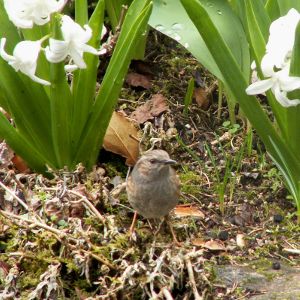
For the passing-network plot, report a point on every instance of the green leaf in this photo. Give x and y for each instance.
(21, 146)
(237, 84)
(7, 29)
(291, 122)
(84, 81)
(27, 105)
(81, 12)
(286, 5)
(292, 180)
(226, 123)
(61, 106)
(170, 18)
(238, 7)
(114, 8)
(188, 96)
(277, 8)
(273, 9)
(258, 23)
(134, 26)
(295, 60)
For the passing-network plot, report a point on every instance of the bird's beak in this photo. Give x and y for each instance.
(168, 161)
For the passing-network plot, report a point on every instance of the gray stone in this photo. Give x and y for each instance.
(283, 284)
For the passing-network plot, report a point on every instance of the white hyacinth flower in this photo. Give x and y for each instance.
(24, 58)
(281, 41)
(275, 64)
(280, 83)
(74, 44)
(26, 13)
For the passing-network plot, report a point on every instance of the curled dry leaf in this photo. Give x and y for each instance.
(212, 245)
(188, 210)
(138, 80)
(240, 240)
(201, 97)
(120, 138)
(152, 108)
(20, 164)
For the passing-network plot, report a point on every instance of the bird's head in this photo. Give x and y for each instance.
(154, 163)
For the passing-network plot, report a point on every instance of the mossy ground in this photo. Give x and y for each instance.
(81, 254)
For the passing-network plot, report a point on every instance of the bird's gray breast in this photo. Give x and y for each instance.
(155, 199)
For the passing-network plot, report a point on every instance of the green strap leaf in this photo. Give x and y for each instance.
(21, 146)
(84, 81)
(81, 12)
(134, 26)
(291, 123)
(170, 18)
(113, 9)
(61, 106)
(273, 9)
(237, 84)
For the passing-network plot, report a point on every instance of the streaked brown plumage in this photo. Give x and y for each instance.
(153, 187)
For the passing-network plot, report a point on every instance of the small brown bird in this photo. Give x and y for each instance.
(153, 187)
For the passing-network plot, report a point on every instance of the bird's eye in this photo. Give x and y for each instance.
(152, 161)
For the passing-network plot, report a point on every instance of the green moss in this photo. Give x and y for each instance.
(43, 196)
(123, 198)
(263, 266)
(190, 182)
(120, 242)
(116, 168)
(33, 268)
(69, 263)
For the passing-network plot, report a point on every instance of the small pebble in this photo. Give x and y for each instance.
(223, 235)
(277, 218)
(276, 265)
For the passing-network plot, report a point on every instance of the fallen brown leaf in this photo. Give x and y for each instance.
(240, 240)
(198, 242)
(118, 138)
(210, 245)
(138, 80)
(20, 164)
(188, 211)
(214, 246)
(152, 108)
(201, 97)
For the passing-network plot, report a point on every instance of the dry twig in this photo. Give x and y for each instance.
(192, 277)
(88, 204)
(14, 195)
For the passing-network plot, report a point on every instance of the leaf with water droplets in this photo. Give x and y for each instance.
(170, 18)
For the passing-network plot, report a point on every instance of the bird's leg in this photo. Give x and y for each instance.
(175, 241)
(132, 226)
